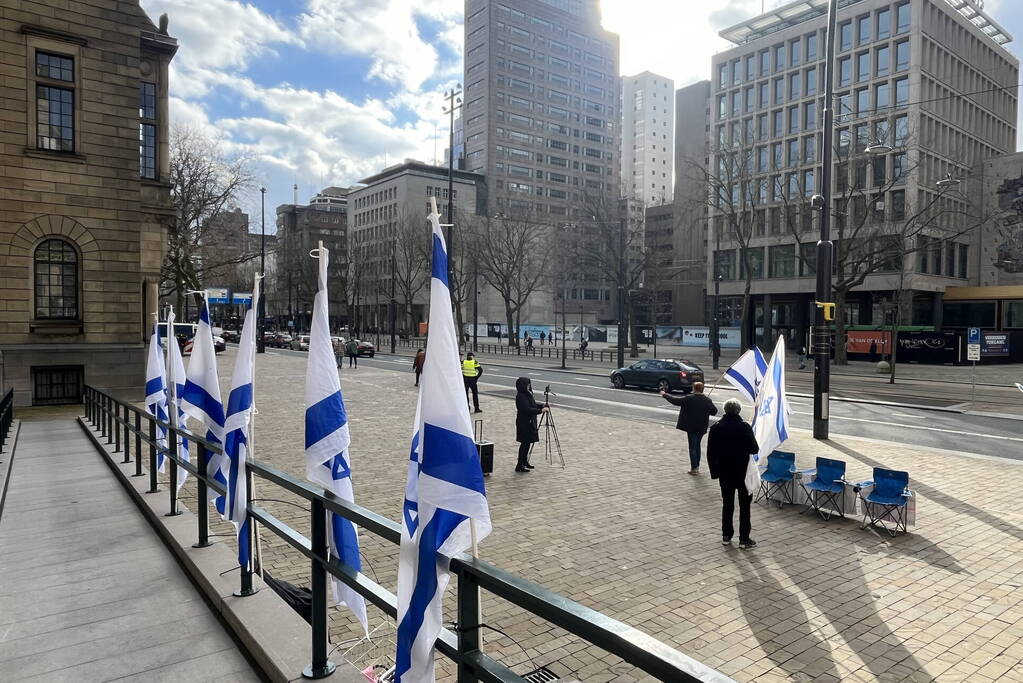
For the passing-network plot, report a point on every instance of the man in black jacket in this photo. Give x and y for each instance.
(729, 445)
(694, 414)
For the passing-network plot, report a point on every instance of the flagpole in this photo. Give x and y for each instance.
(172, 404)
(722, 375)
(251, 447)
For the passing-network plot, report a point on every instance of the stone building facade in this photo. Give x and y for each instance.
(83, 194)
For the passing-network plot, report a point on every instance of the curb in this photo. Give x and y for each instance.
(275, 637)
(10, 447)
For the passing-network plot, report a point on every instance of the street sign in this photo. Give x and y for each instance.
(973, 352)
(217, 295)
(242, 298)
(974, 336)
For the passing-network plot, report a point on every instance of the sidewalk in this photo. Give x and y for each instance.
(87, 591)
(624, 530)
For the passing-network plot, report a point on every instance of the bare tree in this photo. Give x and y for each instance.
(513, 255)
(205, 180)
(411, 260)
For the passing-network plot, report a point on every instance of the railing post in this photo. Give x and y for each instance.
(110, 419)
(102, 415)
(202, 506)
(138, 444)
(468, 623)
(250, 529)
(321, 666)
(172, 485)
(125, 429)
(154, 486)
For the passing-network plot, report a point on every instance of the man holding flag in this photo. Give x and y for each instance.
(445, 511)
(238, 432)
(327, 439)
(747, 372)
(201, 397)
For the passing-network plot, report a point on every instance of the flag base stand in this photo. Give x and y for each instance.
(152, 491)
(207, 544)
(245, 593)
(319, 672)
(173, 513)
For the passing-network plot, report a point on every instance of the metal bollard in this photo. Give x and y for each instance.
(321, 667)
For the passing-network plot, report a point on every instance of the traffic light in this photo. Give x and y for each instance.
(829, 310)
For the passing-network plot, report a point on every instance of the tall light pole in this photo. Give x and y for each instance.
(621, 293)
(454, 99)
(261, 305)
(821, 342)
(715, 333)
(393, 303)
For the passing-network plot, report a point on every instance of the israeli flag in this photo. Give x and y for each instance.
(327, 440)
(746, 373)
(237, 431)
(176, 387)
(201, 398)
(156, 392)
(771, 425)
(445, 507)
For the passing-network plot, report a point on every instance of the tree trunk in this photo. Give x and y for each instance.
(511, 321)
(840, 355)
(746, 328)
(631, 318)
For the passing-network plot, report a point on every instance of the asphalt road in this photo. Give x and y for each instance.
(969, 433)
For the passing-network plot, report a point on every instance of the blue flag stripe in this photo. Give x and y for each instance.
(198, 396)
(346, 541)
(779, 418)
(239, 399)
(741, 379)
(440, 261)
(324, 418)
(451, 457)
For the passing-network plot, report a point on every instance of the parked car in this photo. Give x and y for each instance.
(662, 374)
(300, 343)
(268, 338)
(282, 340)
(233, 336)
(218, 343)
(366, 348)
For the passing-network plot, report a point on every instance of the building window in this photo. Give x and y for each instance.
(844, 71)
(964, 250)
(901, 91)
(795, 52)
(724, 262)
(147, 130)
(811, 47)
(55, 105)
(783, 261)
(779, 58)
(882, 61)
(807, 259)
(794, 82)
(863, 30)
(902, 55)
(845, 36)
(811, 81)
(56, 281)
(902, 18)
(55, 385)
(755, 256)
(884, 24)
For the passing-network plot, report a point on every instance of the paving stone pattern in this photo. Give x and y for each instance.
(623, 529)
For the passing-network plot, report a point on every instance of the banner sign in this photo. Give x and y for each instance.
(244, 298)
(728, 337)
(217, 295)
(871, 342)
(994, 344)
(928, 347)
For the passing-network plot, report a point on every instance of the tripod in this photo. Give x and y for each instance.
(547, 424)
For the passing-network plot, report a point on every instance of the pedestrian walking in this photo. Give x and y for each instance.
(352, 349)
(543, 338)
(694, 414)
(417, 364)
(802, 357)
(471, 371)
(529, 342)
(526, 411)
(729, 445)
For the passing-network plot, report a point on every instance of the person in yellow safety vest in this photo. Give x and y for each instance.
(471, 371)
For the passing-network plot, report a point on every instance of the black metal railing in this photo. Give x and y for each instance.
(6, 416)
(117, 421)
(536, 351)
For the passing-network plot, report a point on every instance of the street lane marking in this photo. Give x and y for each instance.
(929, 429)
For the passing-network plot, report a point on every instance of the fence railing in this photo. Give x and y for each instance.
(133, 430)
(6, 416)
(535, 351)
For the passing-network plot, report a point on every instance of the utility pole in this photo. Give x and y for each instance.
(715, 340)
(394, 303)
(261, 304)
(475, 303)
(821, 342)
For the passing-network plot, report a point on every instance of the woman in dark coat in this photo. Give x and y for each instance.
(526, 433)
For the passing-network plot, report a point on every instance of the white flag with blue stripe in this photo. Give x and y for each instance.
(175, 387)
(201, 398)
(746, 373)
(238, 431)
(444, 495)
(327, 440)
(771, 420)
(156, 392)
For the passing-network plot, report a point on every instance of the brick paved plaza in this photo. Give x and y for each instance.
(624, 530)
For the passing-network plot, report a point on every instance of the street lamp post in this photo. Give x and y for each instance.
(715, 339)
(821, 343)
(621, 293)
(261, 304)
(394, 303)
(454, 102)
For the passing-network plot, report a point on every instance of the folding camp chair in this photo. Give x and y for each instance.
(887, 501)
(777, 478)
(827, 487)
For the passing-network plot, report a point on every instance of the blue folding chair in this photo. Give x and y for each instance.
(777, 477)
(828, 486)
(885, 505)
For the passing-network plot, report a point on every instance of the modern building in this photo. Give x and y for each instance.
(648, 138)
(292, 283)
(928, 85)
(389, 238)
(541, 119)
(686, 272)
(85, 204)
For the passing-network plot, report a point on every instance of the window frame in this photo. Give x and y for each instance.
(34, 45)
(76, 280)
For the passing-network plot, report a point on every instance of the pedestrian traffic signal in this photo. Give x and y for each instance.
(829, 310)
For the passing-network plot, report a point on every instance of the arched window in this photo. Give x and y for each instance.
(56, 281)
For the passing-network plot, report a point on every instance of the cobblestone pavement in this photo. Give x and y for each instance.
(624, 530)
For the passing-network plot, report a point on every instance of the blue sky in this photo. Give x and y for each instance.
(326, 92)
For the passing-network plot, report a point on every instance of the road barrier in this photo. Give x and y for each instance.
(536, 351)
(117, 421)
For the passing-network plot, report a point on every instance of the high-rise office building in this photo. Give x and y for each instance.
(648, 134)
(541, 121)
(928, 85)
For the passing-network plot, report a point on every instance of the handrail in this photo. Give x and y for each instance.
(6, 416)
(461, 645)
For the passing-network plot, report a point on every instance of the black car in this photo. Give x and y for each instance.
(662, 374)
(366, 348)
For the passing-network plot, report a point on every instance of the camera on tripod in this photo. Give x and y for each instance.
(552, 446)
